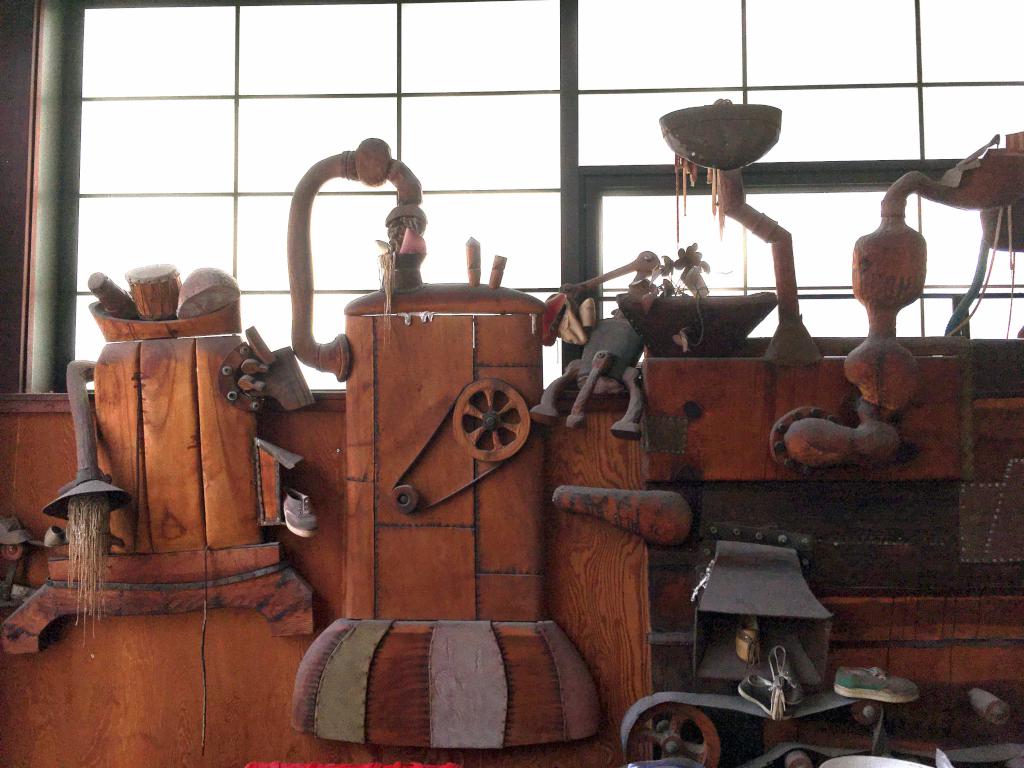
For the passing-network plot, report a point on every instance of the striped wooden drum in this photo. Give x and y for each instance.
(444, 684)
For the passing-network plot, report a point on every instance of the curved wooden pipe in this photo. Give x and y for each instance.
(371, 164)
(658, 517)
(791, 344)
(80, 373)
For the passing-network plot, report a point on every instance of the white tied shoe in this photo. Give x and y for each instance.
(298, 513)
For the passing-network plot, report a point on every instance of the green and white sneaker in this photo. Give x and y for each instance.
(873, 683)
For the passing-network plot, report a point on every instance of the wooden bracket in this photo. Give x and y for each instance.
(276, 590)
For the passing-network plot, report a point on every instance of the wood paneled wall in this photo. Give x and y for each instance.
(129, 691)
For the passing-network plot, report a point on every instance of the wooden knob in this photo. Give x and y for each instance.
(373, 159)
(155, 290)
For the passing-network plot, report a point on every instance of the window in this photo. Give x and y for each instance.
(868, 90)
(553, 160)
(191, 160)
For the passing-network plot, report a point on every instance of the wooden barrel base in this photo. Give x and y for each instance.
(444, 685)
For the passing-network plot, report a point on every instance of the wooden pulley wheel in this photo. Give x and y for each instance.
(12, 552)
(672, 729)
(491, 420)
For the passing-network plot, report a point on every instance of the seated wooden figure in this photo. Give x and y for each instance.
(444, 641)
(611, 351)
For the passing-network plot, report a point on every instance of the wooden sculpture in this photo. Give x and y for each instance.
(188, 534)
(724, 137)
(611, 352)
(444, 642)
(888, 274)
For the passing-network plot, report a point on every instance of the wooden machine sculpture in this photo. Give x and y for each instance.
(444, 643)
(888, 274)
(178, 432)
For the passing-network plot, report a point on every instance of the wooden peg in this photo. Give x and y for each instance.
(473, 262)
(497, 272)
(259, 347)
(114, 299)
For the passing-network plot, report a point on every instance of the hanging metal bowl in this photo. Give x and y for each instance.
(722, 135)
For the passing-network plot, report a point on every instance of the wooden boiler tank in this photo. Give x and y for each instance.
(444, 642)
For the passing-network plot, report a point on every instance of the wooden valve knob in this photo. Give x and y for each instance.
(497, 272)
(155, 290)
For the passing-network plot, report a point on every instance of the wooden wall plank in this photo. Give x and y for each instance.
(121, 453)
(227, 433)
(170, 425)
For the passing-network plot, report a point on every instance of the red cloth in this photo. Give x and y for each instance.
(348, 765)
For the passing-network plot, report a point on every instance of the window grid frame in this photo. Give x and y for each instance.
(580, 186)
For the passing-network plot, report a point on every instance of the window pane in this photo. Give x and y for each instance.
(481, 46)
(623, 129)
(809, 42)
(959, 120)
(272, 316)
(318, 49)
(842, 124)
(990, 321)
(953, 237)
(119, 234)
(344, 229)
(157, 146)
(482, 142)
(138, 52)
(630, 225)
(88, 339)
(833, 317)
(279, 139)
(523, 227)
(824, 227)
(936, 315)
(964, 43)
(659, 44)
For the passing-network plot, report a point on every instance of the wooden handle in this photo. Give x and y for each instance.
(260, 350)
(497, 272)
(473, 262)
(658, 517)
(114, 299)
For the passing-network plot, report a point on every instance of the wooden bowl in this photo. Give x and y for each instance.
(726, 322)
(722, 135)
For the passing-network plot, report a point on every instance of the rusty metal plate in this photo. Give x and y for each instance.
(992, 518)
(664, 434)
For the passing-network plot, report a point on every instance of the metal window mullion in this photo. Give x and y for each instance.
(234, 193)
